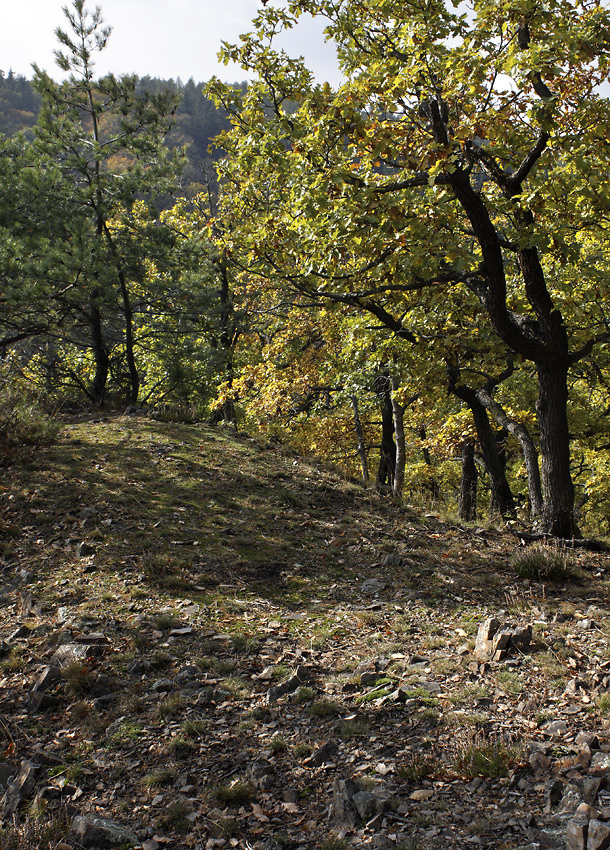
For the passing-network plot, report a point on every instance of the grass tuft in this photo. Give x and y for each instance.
(541, 563)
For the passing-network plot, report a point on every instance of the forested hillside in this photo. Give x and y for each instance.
(196, 121)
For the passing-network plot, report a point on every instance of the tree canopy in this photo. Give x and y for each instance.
(457, 171)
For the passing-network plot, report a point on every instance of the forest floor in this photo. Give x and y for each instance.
(215, 643)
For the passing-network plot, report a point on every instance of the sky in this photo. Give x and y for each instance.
(160, 38)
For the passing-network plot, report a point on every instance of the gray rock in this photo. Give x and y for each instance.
(600, 764)
(48, 677)
(323, 755)
(556, 728)
(571, 799)
(290, 685)
(92, 831)
(372, 586)
(40, 701)
(342, 809)
(576, 833)
(371, 803)
(382, 842)
(485, 635)
(495, 644)
(590, 789)
(598, 837)
(21, 632)
(163, 685)
(71, 652)
(19, 788)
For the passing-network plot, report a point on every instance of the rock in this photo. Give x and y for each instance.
(495, 644)
(342, 809)
(571, 799)
(48, 677)
(322, 755)
(71, 652)
(576, 833)
(598, 837)
(262, 775)
(92, 831)
(40, 701)
(485, 635)
(382, 842)
(556, 728)
(21, 632)
(19, 788)
(290, 685)
(163, 684)
(590, 789)
(372, 586)
(600, 764)
(421, 794)
(371, 803)
(588, 738)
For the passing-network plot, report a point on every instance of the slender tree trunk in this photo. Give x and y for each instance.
(530, 455)
(432, 485)
(364, 463)
(399, 438)
(387, 449)
(557, 486)
(501, 500)
(100, 353)
(468, 484)
(228, 337)
(134, 377)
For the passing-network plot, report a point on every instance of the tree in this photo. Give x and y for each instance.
(459, 166)
(105, 138)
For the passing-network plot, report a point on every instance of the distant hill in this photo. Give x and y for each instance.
(19, 103)
(197, 118)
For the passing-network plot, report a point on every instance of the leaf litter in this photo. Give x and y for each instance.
(207, 639)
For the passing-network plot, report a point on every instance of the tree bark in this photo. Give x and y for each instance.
(134, 377)
(387, 449)
(468, 485)
(399, 438)
(364, 463)
(501, 500)
(100, 353)
(558, 509)
(530, 455)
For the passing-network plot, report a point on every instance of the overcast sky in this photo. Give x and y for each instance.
(162, 38)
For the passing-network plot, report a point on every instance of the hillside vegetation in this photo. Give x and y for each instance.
(216, 643)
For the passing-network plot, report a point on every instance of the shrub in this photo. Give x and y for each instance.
(23, 419)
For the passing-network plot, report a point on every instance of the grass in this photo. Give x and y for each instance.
(417, 767)
(170, 706)
(484, 757)
(323, 708)
(35, 834)
(543, 563)
(236, 793)
(162, 778)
